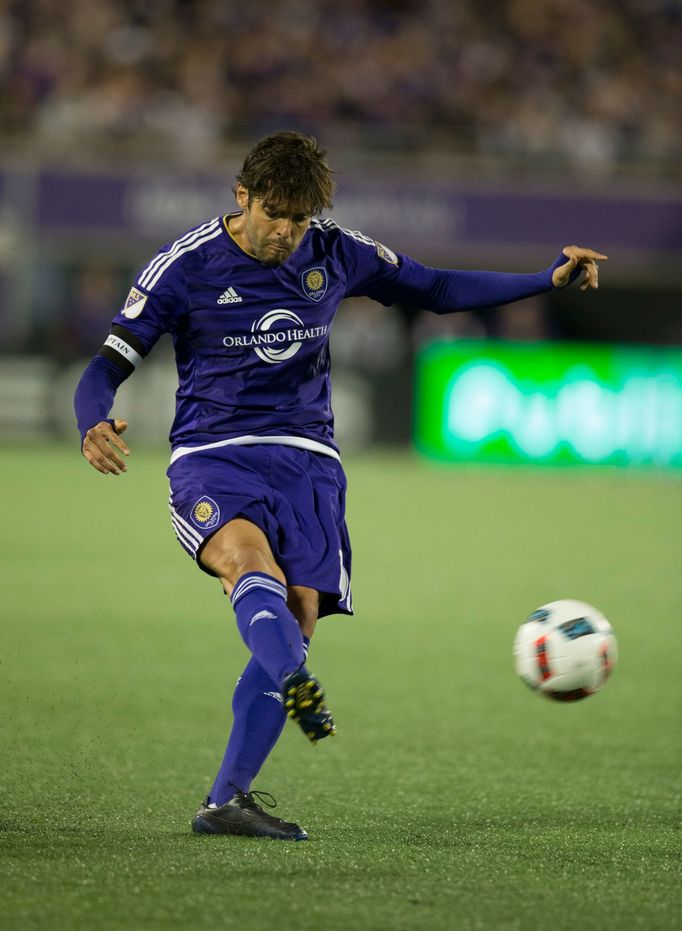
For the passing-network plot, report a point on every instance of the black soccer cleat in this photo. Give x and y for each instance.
(242, 817)
(304, 703)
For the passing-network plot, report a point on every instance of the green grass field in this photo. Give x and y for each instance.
(453, 798)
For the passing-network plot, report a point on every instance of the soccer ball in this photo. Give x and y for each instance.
(566, 650)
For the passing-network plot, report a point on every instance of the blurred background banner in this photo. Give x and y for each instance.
(549, 403)
(446, 216)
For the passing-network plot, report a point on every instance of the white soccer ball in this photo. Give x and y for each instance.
(566, 650)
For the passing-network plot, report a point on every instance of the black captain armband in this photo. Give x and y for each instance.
(123, 348)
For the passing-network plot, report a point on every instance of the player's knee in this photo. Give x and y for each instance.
(304, 604)
(253, 558)
(230, 563)
(236, 549)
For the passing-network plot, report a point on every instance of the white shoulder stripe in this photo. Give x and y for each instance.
(354, 234)
(159, 263)
(178, 244)
(188, 248)
(183, 240)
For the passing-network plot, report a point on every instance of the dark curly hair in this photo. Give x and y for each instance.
(289, 169)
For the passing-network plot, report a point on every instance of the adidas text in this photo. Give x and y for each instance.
(229, 297)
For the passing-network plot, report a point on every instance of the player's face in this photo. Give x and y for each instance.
(270, 232)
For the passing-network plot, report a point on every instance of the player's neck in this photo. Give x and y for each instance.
(235, 224)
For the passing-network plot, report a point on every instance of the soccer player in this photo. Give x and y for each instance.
(257, 491)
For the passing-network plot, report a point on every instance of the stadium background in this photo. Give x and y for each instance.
(467, 134)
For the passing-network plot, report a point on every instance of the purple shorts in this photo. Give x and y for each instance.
(296, 497)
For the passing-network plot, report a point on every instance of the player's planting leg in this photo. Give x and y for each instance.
(258, 719)
(242, 816)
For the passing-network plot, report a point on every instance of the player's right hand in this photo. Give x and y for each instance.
(102, 447)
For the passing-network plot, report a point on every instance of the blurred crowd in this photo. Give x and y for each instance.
(590, 85)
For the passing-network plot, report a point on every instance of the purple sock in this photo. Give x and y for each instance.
(258, 721)
(267, 626)
(259, 717)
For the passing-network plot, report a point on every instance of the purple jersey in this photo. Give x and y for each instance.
(251, 341)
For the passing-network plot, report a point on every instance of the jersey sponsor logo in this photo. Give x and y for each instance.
(272, 344)
(229, 297)
(314, 282)
(134, 304)
(386, 254)
(205, 513)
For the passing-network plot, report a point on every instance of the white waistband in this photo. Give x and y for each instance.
(301, 442)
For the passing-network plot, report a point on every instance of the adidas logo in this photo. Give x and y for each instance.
(229, 297)
(275, 695)
(261, 615)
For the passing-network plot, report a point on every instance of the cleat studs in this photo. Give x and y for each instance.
(291, 714)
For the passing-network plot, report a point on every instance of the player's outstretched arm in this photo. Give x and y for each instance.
(579, 258)
(103, 447)
(446, 291)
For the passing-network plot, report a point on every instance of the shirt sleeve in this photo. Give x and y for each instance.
(155, 305)
(388, 277)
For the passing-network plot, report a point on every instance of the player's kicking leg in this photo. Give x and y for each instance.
(303, 694)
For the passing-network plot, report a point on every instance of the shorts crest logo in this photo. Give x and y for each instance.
(205, 513)
(314, 282)
(134, 304)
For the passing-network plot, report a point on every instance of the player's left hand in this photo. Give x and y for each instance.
(579, 257)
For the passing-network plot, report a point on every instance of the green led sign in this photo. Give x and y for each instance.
(553, 403)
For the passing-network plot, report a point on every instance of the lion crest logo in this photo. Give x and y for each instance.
(314, 282)
(205, 513)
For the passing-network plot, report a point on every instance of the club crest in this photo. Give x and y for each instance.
(314, 283)
(134, 304)
(205, 513)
